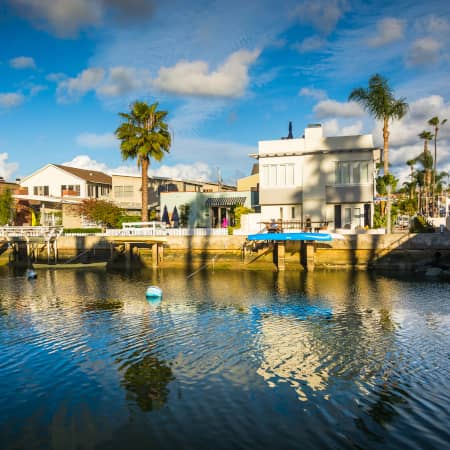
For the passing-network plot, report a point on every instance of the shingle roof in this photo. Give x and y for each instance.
(89, 175)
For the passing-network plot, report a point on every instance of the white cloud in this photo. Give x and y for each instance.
(194, 78)
(7, 168)
(195, 171)
(332, 108)
(317, 94)
(85, 162)
(22, 62)
(388, 30)
(123, 80)
(309, 44)
(424, 51)
(332, 128)
(93, 140)
(433, 24)
(87, 80)
(11, 99)
(322, 14)
(56, 77)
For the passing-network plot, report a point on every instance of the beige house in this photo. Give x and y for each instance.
(325, 180)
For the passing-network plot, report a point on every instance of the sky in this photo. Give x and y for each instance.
(229, 74)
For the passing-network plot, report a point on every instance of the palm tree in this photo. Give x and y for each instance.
(379, 101)
(144, 134)
(435, 122)
(427, 162)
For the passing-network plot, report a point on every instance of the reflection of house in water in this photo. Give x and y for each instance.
(291, 355)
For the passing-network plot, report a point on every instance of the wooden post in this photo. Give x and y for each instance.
(281, 251)
(128, 255)
(310, 256)
(155, 254)
(160, 252)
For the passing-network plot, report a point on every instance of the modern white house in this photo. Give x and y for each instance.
(328, 181)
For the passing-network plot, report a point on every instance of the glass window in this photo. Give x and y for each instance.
(293, 212)
(337, 173)
(345, 173)
(357, 216)
(273, 175)
(347, 217)
(356, 173)
(265, 175)
(290, 174)
(364, 172)
(281, 175)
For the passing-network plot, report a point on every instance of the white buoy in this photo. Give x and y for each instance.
(153, 292)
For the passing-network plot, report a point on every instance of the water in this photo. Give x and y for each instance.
(227, 360)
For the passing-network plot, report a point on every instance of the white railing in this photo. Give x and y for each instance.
(46, 232)
(129, 231)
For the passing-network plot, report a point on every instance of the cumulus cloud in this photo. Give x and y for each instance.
(72, 88)
(333, 128)
(22, 62)
(321, 14)
(7, 168)
(93, 140)
(317, 94)
(309, 44)
(123, 80)
(433, 24)
(424, 51)
(195, 171)
(332, 108)
(388, 30)
(11, 99)
(195, 78)
(65, 17)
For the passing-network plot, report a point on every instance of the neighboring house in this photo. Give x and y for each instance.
(8, 186)
(54, 185)
(126, 190)
(204, 209)
(325, 180)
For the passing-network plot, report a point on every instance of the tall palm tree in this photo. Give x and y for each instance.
(379, 101)
(435, 122)
(144, 135)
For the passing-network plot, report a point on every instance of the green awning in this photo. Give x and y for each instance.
(225, 201)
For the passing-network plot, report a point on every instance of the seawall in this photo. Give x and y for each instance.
(361, 251)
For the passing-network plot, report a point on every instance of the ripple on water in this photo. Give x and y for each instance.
(230, 360)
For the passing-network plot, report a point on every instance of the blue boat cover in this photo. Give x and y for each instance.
(305, 236)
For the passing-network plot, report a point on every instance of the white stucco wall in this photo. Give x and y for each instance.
(54, 178)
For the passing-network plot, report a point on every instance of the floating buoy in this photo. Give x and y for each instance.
(31, 274)
(153, 292)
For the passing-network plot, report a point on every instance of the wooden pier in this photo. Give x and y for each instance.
(33, 239)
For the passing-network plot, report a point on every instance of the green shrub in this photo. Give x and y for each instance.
(420, 225)
(83, 230)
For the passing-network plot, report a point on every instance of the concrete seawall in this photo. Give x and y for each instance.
(362, 251)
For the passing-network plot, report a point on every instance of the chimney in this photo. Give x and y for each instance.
(313, 132)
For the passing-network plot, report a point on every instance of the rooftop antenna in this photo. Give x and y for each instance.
(290, 135)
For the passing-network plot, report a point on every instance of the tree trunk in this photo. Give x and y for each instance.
(386, 146)
(433, 188)
(144, 166)
(386, 172)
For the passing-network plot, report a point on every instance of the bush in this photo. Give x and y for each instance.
(83, 230)
(420, 225)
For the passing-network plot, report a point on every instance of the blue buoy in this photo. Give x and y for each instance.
(153, 292)
(31, 274)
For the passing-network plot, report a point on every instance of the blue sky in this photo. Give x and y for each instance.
(229, 73)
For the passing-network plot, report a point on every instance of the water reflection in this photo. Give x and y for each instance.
(274, 350)
(147, 381)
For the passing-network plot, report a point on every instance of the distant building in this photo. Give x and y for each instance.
(126, 190)
(319, 179)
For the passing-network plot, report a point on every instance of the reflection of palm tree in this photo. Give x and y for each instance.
(148, 380)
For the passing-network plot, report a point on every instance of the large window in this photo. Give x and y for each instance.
(40, 190)
(70, 189)
(277, 175)
(351, 172)
(123, 191)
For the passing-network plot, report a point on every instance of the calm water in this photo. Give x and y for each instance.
(225, 361)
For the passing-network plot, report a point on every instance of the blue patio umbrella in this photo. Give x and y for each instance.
(175, 218)
(165, 216)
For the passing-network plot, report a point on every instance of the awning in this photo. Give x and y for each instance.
(225, 201)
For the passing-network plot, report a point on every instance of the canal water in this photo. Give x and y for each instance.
(227, 360)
